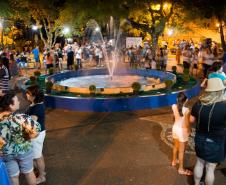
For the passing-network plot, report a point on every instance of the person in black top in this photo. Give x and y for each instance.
(210, 116)
(37, 112)
(70, 58)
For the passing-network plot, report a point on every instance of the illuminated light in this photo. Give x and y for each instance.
(97, 29)
(66, 30)
(156, 7)
(34, 27)
(170, 32)
(1, 23)
(165, 6)
(217, 24)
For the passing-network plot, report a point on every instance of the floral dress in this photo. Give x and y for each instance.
(14, 129)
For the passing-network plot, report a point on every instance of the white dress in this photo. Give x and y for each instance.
(179, 130)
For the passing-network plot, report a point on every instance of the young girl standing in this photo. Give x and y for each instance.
(180, 133)
(37, 112)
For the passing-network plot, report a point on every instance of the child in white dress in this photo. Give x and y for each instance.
(180, 132)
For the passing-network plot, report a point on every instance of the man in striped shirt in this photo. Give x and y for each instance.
(4, 79)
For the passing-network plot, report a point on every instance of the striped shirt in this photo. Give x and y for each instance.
(4, 79)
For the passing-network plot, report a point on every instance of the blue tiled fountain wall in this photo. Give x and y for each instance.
(112, 104)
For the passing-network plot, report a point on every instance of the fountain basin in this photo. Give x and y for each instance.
(116, 104)
(79, 82)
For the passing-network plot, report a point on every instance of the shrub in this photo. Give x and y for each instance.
(174, 70)
(186, 76)
(49, 86)
(169, 84)
(76, 67)
(51, 71)
(136, 86)
(92, 89)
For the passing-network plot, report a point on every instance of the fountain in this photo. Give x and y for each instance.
(110, 81)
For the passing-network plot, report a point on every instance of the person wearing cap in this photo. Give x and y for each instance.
(210, 116)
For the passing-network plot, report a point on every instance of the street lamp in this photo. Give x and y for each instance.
(66, 30)
(34, 27)
(170, 32)
(97, 29)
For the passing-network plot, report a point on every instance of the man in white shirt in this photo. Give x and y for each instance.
(78, 57)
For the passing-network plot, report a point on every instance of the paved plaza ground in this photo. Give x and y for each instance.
(125, 148)
(113, 149)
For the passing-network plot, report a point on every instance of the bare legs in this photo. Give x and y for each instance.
(40, 164)
(30, 178)
(198, 171)
(179, 148)
(175, 151)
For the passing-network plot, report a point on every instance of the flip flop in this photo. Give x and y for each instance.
(40, 180)
(175, 163)
(185, 172)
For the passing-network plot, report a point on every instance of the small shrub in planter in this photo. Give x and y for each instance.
(169, 84)
(174, 70)
(186, 76)
(49, 86)
(51, 71)
(76, 67)
(136, 86)
(92, 89)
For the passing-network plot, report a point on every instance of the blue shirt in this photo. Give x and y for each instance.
(36, 53)
(216, 75)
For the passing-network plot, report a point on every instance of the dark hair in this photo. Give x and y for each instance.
(181, 98)
(35, 91)
(7, 100)
(216, 66)
(11, 57)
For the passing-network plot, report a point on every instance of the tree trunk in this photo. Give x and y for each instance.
(222, 37)
(154, 42)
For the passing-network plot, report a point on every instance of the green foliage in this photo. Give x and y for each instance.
(51, 71)
(49, 86)
(6, 10)
(136, 86)
(186, 76)
(169, 84)
(76, 67)
(174, 70)
(92, 89)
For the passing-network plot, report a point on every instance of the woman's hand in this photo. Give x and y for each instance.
(6, 113)
(2, 142)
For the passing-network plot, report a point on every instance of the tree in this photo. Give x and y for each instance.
(152, 17)
(44, 15)
(207, 9)
(77, 13)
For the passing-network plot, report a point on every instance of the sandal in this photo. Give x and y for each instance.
(174, 163)
(40, 180)
(185, 172)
